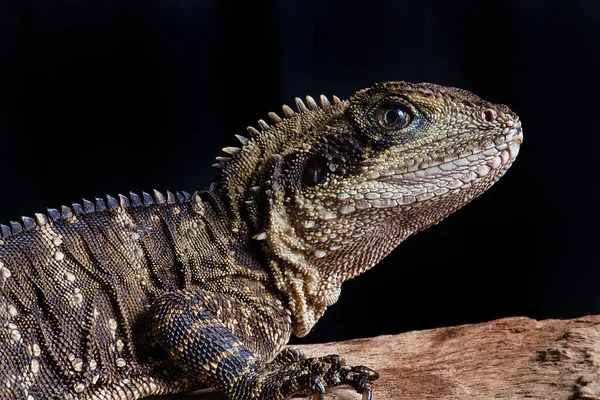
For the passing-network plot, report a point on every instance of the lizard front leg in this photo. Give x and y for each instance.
(195, 328)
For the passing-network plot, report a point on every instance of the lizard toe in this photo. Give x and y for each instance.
(367, 394)
(317, 387)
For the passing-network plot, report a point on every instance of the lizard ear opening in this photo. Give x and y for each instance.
(315, 170)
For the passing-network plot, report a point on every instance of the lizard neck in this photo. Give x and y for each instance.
(289, 273)
(307, 294)
(299, 285)
(252, 185)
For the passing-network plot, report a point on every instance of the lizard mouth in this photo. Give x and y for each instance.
(506, 146)
(475, 170)
(509, 141)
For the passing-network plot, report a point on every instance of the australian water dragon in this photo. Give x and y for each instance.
(126, 297)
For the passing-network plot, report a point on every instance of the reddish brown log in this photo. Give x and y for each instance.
(511, 358)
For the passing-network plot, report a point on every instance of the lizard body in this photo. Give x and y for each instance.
(121, 299)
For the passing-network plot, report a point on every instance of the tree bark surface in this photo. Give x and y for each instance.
(511, 358)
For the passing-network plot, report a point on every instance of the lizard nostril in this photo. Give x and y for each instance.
(520, 135)
(489, 115)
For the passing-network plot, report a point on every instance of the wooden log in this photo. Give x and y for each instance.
(511, 358)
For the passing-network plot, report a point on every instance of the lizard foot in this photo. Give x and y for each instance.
(333, 371)
(291, 373)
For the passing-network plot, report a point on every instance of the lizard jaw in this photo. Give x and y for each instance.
(402, 187)
(431, 179)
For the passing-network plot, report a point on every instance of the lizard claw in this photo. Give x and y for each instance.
(318, 396)
(367, 394)
(318, 388)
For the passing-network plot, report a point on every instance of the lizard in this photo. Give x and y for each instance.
(123, 298)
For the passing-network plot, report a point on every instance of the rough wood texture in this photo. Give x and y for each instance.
(512, 358)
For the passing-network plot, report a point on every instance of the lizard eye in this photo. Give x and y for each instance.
(393, 116)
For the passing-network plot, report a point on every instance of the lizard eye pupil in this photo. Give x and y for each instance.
(395, 117)
(391, 117)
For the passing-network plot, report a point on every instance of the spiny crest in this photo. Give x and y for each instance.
(99, 205)
(310, 105)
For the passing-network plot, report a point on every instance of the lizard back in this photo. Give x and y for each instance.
(74, 287)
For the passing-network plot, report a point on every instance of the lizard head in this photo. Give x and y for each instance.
(333, 189)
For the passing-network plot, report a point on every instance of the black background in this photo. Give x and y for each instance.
(110, 96)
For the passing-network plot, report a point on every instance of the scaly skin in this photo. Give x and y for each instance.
(125, 299)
